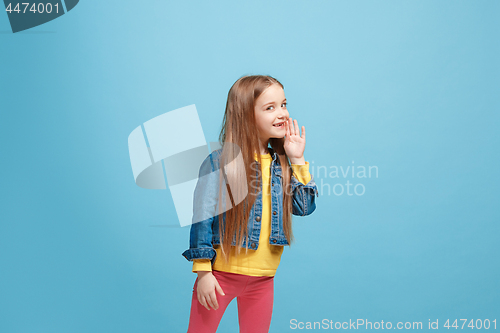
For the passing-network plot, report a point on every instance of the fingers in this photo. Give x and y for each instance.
(202, 297)
(218, 288)
(202, 301)
(208, 301)
(290, 126)
(212, 301)
(296, 127)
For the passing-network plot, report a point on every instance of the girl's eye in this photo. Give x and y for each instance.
(282, 105)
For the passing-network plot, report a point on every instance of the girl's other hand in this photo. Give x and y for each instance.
(207, 284)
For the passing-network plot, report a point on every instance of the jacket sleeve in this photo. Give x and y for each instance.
(303, 195)
(204, 213)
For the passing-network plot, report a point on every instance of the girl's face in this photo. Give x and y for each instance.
(271, 113)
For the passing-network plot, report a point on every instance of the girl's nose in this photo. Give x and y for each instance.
(284, 113)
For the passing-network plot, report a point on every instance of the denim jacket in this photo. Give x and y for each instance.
(205, 234)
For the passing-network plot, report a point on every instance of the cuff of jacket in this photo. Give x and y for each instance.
(310, 186)
(200, 253)
(302, 172)
(202, 265)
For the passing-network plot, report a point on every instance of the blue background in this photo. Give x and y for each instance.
(408, 86)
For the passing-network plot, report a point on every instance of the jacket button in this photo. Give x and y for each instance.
(257, 219)
(253, 245)
(274, 240)
(274, 213)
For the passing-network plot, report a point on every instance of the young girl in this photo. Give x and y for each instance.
(273, 183)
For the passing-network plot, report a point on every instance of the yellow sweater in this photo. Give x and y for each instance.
(265, 260)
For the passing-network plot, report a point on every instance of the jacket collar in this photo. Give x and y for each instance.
(273, 153)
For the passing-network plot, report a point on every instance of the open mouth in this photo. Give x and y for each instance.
(279, 125)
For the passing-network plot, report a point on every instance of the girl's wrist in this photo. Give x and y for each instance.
(298, 161)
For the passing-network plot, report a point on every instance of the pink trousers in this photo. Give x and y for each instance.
(255, 303)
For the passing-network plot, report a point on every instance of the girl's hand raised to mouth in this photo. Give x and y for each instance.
(295, 143)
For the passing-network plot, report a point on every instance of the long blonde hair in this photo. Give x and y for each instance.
(239, 128)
